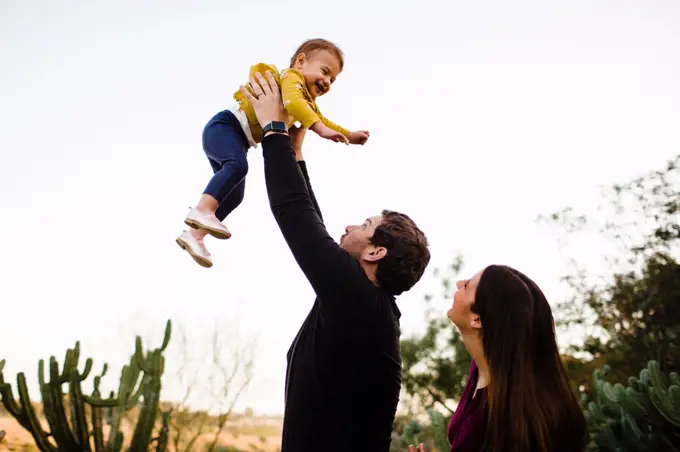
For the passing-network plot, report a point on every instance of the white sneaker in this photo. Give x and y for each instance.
(195, 248)
(209, 223)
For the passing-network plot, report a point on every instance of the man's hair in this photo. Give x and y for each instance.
(312, 46)
(407, 253)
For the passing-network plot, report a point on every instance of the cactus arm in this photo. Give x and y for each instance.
(86, 372)
(166, 337)
(69, 360)
(116, 412)
(655, 375)
(632, 433)
(673, 377)
(147, 418)
(661, 407)
(632, 401)
(139, 356)
(10, 404)
(79, 420)
(52, 406)
(55, 396)
(40, 436)
(96, 414)
(97, 428)
(128, 380)
(9, 401)
(659, 396)
(131, 399)
(96, 401)
(674, 398)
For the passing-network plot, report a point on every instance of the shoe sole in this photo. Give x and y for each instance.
(218, 234)
(200, 260)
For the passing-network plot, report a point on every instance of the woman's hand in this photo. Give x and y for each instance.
(266, 99)
(412, 448)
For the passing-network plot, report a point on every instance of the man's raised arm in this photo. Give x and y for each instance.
(332, 271)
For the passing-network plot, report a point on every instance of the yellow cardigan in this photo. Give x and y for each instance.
(297, 100)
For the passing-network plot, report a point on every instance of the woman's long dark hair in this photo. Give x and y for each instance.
(531, 404)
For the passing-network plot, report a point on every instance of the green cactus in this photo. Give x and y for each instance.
(433, 435)
(140, 379)
(411, 431)
(645, 416)
(439, 427)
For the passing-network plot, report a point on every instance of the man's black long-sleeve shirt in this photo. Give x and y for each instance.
(344, 366)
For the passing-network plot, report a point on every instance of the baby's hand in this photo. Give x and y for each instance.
(329, 134)
(359, 137)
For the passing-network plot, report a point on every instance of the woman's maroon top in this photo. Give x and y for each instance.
(467, 430)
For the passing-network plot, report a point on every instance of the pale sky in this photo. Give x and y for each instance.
(483, 115)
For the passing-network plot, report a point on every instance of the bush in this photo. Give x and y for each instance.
(644, 416)
(433, 434)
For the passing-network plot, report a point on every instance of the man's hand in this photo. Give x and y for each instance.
(266, 100)
(412, 448)
(359, 137)
(297, 136)
(326, 132)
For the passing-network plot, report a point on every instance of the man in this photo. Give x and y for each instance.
(344, 366)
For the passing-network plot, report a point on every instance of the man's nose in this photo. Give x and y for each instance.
(459, 284)
(349, 229)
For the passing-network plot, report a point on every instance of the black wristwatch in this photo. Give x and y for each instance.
(275, 126)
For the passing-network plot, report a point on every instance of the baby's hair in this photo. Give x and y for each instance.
(311, 46)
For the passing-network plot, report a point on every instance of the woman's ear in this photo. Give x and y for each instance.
(476, 321)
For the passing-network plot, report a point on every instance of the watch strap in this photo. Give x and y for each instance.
(275, 126)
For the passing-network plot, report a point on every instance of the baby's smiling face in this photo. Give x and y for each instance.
(320, 69)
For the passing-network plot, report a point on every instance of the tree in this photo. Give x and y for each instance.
(218, 370)
(631, 313)
(435, 364)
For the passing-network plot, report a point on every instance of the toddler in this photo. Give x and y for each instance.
(229, 134)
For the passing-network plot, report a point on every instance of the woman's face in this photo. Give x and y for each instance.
(460, 313)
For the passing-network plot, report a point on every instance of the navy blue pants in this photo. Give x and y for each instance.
(226, 146)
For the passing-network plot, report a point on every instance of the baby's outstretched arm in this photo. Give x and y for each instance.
(297, 106)
(358, 137)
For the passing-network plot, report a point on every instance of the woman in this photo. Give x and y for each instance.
(518, 397)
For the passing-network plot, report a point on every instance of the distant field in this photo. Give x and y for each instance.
(247, 434)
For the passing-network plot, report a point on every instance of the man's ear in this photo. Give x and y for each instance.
(373, 254)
